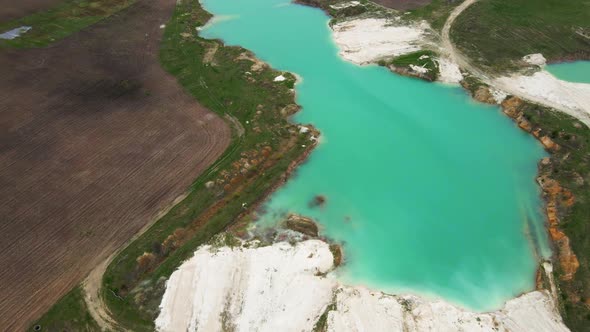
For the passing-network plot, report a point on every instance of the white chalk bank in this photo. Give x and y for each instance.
(368, 40)
(448, 71)
(546, 89)
(282, 288)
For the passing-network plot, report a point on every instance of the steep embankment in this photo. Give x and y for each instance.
(265, 149)
(285, 287)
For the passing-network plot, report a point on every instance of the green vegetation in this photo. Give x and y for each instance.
(229, 84)
(495, 34)
(436, 12)
(232, 83)
(424, 59)
(133, 283)
(570, 166)
(68, 314)
(322, 324)
(61, 21)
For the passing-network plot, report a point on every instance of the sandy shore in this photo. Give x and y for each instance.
(284, 287)
(545, 89)
(369, 40)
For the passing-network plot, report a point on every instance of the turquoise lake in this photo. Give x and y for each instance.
(430, 192)
(577, 71)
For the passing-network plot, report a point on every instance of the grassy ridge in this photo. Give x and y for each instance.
(423, 58)
(224, 80)
(436, 12)
(496, 33)
(224, 86)
(60, 21)
(571, 167)
(68, 314)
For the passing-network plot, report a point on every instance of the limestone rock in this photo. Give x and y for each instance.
(261, 288)
(549, 144)
(302, 225)
(483, 94)
(536, 59)
(511, 106)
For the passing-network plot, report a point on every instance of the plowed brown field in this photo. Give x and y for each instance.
(95, 139)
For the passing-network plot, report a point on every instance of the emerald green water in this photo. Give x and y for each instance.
(578, 71)
(430, 192)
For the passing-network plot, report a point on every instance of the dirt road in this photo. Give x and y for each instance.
(510, 87)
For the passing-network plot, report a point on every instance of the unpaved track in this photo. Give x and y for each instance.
(95, 138)
(92, 285)
(447, 45)
(504, 85)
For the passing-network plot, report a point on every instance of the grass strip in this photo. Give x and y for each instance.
(60, 21)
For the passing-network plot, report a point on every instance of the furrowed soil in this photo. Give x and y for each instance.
(95, 139)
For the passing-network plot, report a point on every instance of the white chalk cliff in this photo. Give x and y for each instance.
(284, 288)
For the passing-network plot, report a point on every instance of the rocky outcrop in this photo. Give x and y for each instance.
(259, 289)
(302, 225)
(548, 143)
(336, 251)
(484, 95)
(317, 201)
(536, 59)
(554, 194)
(409, 72)
(511, 107)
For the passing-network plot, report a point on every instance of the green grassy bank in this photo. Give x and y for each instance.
(132, 290)
(570, 166)
(54, 24)
(68, 314)
(436, 12)
(230, 82)
(495, 34)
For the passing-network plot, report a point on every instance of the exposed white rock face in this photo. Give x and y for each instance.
(368, 40)
(536, 59)
(271, 289)
(281, 288)
(546, 89)
(498, 95)
(418, 69)
(530, 312)
(448, 71)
